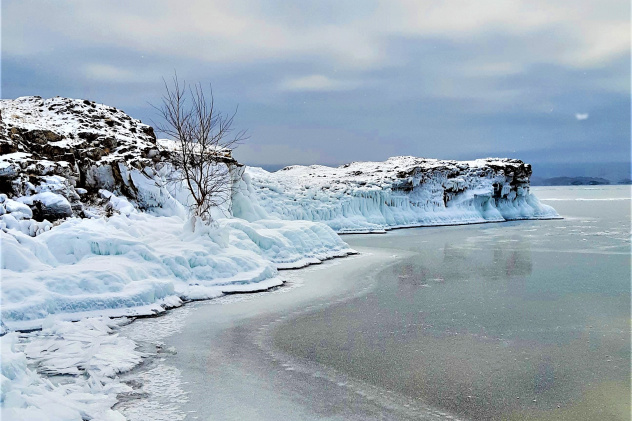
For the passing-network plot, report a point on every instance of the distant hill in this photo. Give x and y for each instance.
(569, 181)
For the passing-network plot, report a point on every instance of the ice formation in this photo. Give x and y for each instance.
(400, 192)
(138, 264)
(86, 355)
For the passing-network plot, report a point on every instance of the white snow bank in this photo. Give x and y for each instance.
(18, 209)
(47, 198)
(142, 263)
(401, 192)
(85, 358)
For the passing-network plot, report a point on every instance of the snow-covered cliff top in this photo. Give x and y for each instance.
(394, 171)
(64, 130)
(71, 149)
(69, 117)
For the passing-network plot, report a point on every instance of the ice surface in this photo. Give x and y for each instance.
(85, 357)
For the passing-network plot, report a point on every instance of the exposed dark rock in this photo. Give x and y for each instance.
(40, 137)
(51, 211)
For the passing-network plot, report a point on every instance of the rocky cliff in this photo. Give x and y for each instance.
(62, 158)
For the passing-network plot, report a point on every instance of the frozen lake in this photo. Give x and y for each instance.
(519, 320)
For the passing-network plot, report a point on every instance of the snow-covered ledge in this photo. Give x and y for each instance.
(400, 192)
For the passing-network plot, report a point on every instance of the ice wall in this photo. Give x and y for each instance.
(400, 192)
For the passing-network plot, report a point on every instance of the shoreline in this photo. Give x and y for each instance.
(162, 306)
(456, 224)
(307, 289)
(257, 323)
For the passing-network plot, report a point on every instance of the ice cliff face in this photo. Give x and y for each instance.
(400, 192)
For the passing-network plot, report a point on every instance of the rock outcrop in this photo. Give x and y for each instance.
(64, 157)
(70, 148)
(403, 191)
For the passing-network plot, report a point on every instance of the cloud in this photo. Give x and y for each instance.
(109, 73)
(584, 32)
(316, 83)
(581, 116)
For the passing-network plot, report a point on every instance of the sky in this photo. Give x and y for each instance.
(329, 82)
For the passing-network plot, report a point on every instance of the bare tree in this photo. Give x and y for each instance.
(204, 141)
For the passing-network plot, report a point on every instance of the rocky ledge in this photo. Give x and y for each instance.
(70, 148)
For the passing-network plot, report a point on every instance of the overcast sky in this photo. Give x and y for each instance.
(336, 81)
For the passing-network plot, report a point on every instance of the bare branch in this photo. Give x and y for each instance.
(205, 139)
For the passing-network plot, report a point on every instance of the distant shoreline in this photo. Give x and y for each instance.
(577, 181)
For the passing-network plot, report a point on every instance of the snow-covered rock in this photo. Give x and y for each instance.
(74, 148)
(48, 205)
(400, 192)
(17, 209)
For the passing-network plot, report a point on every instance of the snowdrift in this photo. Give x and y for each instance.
(139, 264)
(400, 192)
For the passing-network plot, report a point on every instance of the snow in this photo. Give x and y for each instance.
(400, 192)
(134, 264)
(17, 209)
(174, 146)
